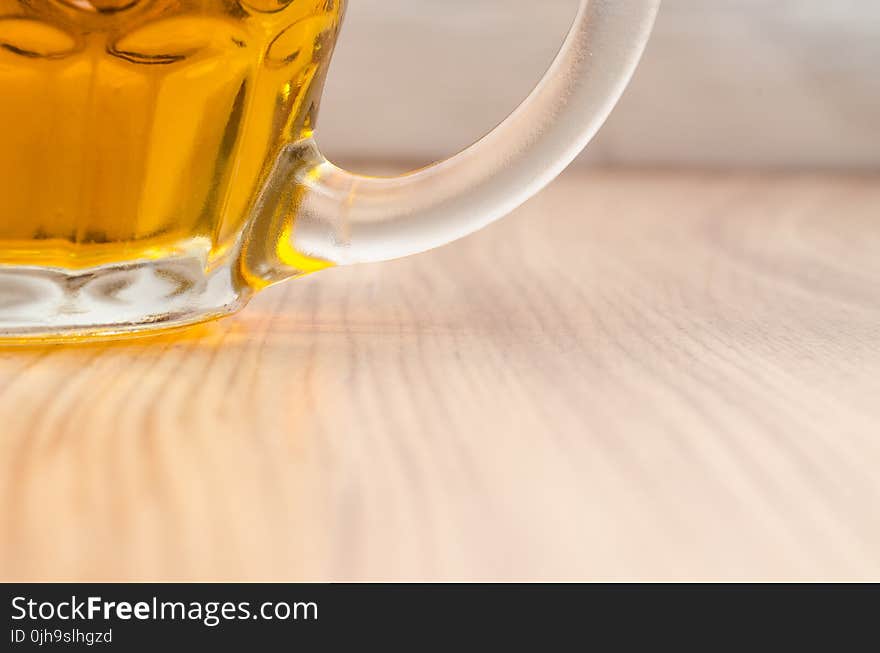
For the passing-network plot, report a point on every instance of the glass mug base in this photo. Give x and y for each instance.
(39, 304)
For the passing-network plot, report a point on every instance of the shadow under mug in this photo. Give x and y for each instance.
(158, 162)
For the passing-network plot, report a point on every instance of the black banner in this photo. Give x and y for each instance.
(133, 617)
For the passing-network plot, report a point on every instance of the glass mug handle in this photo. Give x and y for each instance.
(336, 217)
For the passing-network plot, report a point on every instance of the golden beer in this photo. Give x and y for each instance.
(143, 129)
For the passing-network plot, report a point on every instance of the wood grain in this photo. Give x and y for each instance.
(640, 375)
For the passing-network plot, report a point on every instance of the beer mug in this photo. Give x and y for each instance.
(159, 164)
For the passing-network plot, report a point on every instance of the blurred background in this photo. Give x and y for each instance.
(768, 83)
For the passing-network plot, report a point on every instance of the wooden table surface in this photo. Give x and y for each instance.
(640, 375)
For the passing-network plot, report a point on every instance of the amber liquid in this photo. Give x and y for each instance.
(133, 129)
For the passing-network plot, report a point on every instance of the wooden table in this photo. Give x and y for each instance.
(640, 375)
